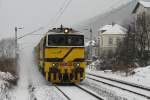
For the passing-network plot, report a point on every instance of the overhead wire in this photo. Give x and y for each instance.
(56, 18)
(62, 9)
(30, 33)
(58, 15)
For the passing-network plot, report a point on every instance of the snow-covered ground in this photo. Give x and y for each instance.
(109, 92)
(141, 76)
(5, 86)
(76, 93)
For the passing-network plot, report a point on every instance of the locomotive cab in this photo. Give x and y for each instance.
(63, 56)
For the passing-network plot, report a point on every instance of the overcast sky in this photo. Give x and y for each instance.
(32, 14)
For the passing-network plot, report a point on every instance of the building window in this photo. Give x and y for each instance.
(110, 40)
(118, 41)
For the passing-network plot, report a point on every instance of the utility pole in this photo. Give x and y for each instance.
(91, 47)
(16, 45)
(89, 55)
(98, 47)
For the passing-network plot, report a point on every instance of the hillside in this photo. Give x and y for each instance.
(121, 15)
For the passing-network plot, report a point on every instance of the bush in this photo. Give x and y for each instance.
(8, 65)
(7, 58)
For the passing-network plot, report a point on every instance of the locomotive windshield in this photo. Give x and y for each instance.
(65, 40)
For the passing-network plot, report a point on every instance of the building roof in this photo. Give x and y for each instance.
(114, 29)
(145, 4)
(106, 27)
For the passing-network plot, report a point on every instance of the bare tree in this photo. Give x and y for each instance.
(7, 48)
(142, 30)
(136, 44)
(126, 51)
(7, 56)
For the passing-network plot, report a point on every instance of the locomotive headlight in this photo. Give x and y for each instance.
(77, 65)
(66, 30)
(54, 65)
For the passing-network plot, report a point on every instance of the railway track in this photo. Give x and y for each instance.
(68, 98)
(77, 92)
(133, 88)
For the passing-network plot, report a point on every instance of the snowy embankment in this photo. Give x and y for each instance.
(141, 76)
(5, 85)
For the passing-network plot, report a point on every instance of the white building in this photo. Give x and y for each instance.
(142, 6)
(109, 37)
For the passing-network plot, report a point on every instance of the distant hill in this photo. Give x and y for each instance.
(121, 15)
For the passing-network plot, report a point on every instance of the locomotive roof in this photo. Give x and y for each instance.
(70, 33)
(62, 29)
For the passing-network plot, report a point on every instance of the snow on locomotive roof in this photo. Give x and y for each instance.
(77, 33)
(62, 32)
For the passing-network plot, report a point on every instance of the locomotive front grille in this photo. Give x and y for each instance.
(66, 74)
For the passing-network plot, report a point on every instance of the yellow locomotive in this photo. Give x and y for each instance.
(60, 55)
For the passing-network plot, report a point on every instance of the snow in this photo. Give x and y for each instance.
(116, 29)
(31, 84)
(109, 92)
(3, 88)
(93, 43)
(106, 27)
(5, 93)
(141, 76)
(75, 93)
(45, 93)
(144, 3)
(113, 29)
(6, 76)
(134, 89)
(91, 90)
(21, 90)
